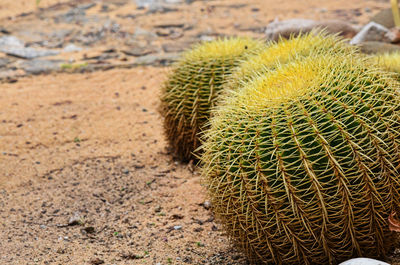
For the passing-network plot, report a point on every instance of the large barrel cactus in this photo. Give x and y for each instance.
(193, 85)
(302, 163)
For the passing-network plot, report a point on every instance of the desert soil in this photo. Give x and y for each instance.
(85, 173)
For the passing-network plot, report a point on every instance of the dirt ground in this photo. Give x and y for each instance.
(85, 173)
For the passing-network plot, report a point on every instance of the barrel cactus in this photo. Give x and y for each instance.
(193, 85)
(301, 164)
(286, 50)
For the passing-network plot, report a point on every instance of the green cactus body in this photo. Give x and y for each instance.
(302, 163)
(191, 89)
(286, 50)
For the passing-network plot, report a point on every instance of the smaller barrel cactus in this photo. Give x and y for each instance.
(302, 163)
(193, 85)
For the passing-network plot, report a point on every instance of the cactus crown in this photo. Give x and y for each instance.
(389, 61)
(308, 175)
(221, 49)
(312, 43)
(279, 87)
(193, 85)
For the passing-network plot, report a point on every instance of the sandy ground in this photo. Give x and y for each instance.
(91, 145)
(85, 174)
(105, 160)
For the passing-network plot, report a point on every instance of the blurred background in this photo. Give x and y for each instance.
(39, 36)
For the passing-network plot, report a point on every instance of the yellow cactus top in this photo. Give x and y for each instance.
(292, 81)
(389, 61)
(285, 51)
(280, 86)
(222, 48)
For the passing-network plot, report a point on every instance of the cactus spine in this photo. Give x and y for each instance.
(302, 163)
(193, 85)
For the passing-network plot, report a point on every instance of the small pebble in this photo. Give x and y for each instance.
(158, 209)
(198, 229)
(88, 230)
(96, 261)
(363, 261)
(75, 219)
(207, 205)
(177, 227)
